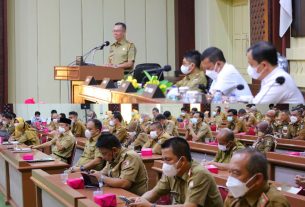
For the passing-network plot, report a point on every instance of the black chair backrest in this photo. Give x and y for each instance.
(71, 158)
(140, 76)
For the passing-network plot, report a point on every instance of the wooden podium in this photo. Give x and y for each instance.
(77, 75)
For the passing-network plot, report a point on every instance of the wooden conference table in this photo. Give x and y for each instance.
(15, 173)
(148, 162)
(52, 192)
(221, 179)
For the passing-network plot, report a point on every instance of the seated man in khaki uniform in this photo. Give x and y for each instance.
(227, 145)
(24, 133)
(266, 142)
(142, 137)
(122, 53)
(62, 145)
(124, 169)
(235, 124)
(91, 157)
(198, 129)
(284, 121)
(296, 129)
(248, 182)
(188, 183)
(218, 116)
(78, 128)
(8, 123)
(168, 125)
(116, 127)
(156, 137)
(247, 118)
(191, 69)
(169, 116)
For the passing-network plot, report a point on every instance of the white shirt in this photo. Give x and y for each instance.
(227, 80)
(272, 92)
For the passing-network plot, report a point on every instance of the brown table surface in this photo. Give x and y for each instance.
(86, 193)
(221, 179)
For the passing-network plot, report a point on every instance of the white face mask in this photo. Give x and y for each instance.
(252, 72)
(212, 74)
(214, 113)
(61, 130)
(293, 119)
(153, 134)
(55, 120)
(111, 123)
(4, 122)
(170, 170)
(194, 120)
(222, 147)
(182, 113)
(185, 69)
(229, 118)
(88, 134)
(132, 134)
(16, 124)
(236, 187)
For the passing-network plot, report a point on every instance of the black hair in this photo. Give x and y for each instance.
(123, 25)
(97, 123)
(108, 141)
(167, 114)
(118, 115)
(213, 54)
(14, 115)
(37, 113)
(264, 51)
(8, 116)
(160, 117)
(63, 115)
(179, 146)
(73, 113)
(193, 56)
(233, 111)
(53, 111)
(183, 109)
(257, 162)
(242, 111)
(271, 106)
(218, 108)
(194, 109)
(201, 115)
(155, 109)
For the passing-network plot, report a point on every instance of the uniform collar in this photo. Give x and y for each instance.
(253, 197)
(121, 153)
(121, 42)
(95, 137)
(193, 75)
(188, 174)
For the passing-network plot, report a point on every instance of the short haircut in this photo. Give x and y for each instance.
(179, 146)
(62, 115)
(201, 115)
(160, 117)
(242, 111)
(155, 109)
(183, 109)
(73, 113)
(213, 54)
(264, 51)
(228, 134)
(118, 115)
(193, 56)
(108, 141)
(53, 111)
(14, 115)
(8, 116)
(298, 110)
(97, 123)
(218, 108)
(167, 114)
(194, 109)
(37, 113)
(257, 162)
(123, 25)
(233, 111)
(157, 125)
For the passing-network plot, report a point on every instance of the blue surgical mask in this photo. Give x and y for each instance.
(230, 118)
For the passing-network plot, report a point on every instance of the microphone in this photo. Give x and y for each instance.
(229, 90)
(278, 81)
(166, 68)
(105, 44)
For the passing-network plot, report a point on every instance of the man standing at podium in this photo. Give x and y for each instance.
(122, 53)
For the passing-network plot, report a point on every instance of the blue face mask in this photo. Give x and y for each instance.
(230, 118)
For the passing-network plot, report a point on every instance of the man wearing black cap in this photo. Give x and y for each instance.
(63, 142)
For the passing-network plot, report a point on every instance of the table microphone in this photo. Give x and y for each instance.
(279, 80)
(229, 90)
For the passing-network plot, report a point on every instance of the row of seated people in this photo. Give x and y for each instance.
(123, 168)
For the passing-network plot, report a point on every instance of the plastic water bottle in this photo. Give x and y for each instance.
(217, 97)
(101, 185)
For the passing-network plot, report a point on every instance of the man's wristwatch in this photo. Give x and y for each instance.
(82, 168)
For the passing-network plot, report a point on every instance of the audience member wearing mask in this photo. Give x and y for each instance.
(265, 142)
(296, 128)
(116, 127)
(78, 128)
(234, 123)
(197, 129)
(227, 145)
(191, 69)
(24, 133)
